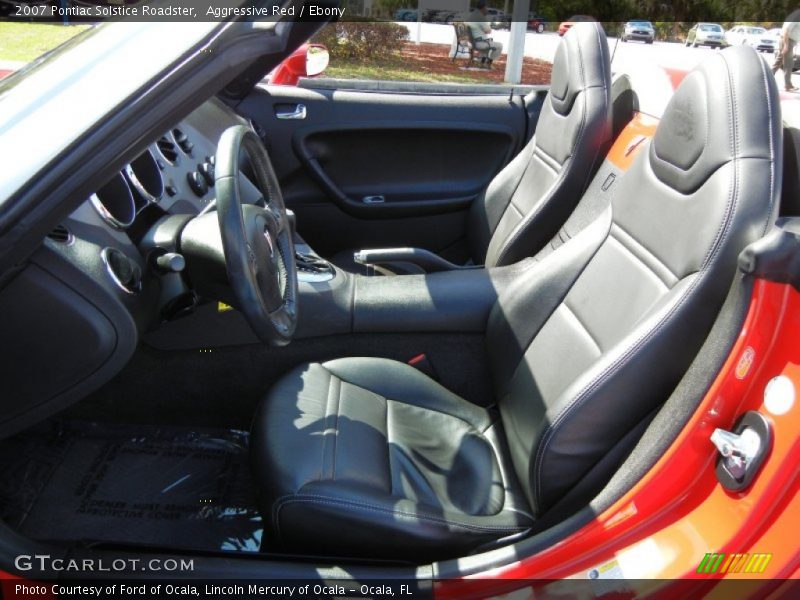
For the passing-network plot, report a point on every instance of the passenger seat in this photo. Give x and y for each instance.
(528, 201)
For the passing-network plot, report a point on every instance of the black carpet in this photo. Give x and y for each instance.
(169, 487)
(222, 387)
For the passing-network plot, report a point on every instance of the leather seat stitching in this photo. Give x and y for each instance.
(722, 232)
(771, 145)
(388, 447)
(647, 250)
(471, 428)
(547, 165)
(639, 260)
(470, 425)
(336, 428)
(516, 208)
(605, 87)
(577, 275)
(325, 425)
(595, 383)
(317, 499)
(546, 159)
(520, 227)
(581, 324)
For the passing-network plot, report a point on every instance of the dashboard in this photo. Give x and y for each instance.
(173, 176)
(106, 274)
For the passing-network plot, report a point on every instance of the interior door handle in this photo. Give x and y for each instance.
(298, 113)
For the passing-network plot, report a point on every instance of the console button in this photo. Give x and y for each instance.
(198, 183)
(207, 171)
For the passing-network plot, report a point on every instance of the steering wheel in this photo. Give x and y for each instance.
(259, 251)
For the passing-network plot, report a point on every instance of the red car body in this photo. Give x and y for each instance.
(659, 533)
(298, 65)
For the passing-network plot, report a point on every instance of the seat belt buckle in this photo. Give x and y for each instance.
(421, 363)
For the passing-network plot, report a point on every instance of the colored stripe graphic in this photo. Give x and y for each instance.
(758, 563)
(710, 563)
(713, 563)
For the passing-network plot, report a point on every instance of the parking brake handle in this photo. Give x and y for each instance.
(424, 259)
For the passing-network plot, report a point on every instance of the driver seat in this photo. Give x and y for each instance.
(367, 457)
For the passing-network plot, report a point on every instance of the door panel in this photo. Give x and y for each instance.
(391, 169)
(366, 168)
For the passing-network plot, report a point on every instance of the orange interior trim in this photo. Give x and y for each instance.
(632, 139)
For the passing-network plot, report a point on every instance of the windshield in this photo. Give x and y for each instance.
(100, 70)
(756, 30)
(645, 24)
(707, 27)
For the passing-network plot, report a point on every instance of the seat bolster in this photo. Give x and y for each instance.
(329, 517)
(290, 423)
(403, 383)
(524, 307)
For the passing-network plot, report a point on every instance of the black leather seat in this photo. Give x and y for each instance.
(423, 469)
(367, 457)
(526, 203)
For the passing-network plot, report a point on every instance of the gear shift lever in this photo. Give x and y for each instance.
(292, 218)
(310, 267)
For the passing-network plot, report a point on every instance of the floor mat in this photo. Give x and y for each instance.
(163, 486)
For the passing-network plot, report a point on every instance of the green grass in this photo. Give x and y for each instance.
(388, 71)
(26, 41)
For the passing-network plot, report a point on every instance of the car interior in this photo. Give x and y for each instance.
(400, 329)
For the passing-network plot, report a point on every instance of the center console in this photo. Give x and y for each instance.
(334, 302)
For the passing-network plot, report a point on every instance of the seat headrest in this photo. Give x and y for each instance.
(717, 114)
(578, 64)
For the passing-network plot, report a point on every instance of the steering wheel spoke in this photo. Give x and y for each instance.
(256, 239)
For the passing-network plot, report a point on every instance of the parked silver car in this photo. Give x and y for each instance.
(757, 37)
(642, 31)
(706, 34)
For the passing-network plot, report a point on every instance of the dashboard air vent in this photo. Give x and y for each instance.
(61, 235)
(167, 149)
(183, 141)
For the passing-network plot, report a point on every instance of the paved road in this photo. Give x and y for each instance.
(634, 58)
